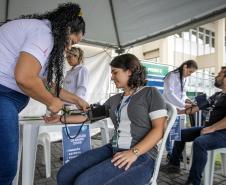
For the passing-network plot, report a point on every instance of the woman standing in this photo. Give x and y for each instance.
(175, 83)
(31, 49)
(139, 115)
(76, 79)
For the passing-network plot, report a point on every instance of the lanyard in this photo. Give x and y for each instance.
(119, 108)
(114, 140)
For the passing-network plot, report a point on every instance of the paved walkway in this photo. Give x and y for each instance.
(163, 178)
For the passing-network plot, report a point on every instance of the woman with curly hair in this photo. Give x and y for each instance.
(139, 115)
(31, 49)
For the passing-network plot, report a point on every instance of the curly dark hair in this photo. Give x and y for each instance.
(65, 20)
(131, 62)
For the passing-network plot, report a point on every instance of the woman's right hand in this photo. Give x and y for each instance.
(187, 105)
(82, 104)
(56, 105)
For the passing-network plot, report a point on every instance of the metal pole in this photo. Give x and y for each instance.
(115, 24)
(7, 10)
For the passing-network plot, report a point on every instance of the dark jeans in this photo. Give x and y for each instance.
(201, 144)
(94, 167)
(11, 103)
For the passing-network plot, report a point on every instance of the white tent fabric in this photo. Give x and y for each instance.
(99, 78)
(121, 23)
(99, 73)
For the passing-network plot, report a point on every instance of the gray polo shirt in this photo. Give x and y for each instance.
(145, 105)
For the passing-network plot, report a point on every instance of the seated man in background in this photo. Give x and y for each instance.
(210, 137)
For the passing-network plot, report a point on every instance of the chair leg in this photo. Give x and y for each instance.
(212, 168)
(30, 141)
(47, 156)
(16, 179)
(105, 133)
(184, 154)
(209, 168)
(191, 158)
(223, 163)
(154, 183)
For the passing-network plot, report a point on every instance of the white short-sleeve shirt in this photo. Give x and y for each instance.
(76, 81)
(172, 90)
(29, 35)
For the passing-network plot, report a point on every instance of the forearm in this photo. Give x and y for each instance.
(150, 140)
(189, 110)
(68, 97)
(219, 125)
(73, 119)
(34, 87)
(64, 94)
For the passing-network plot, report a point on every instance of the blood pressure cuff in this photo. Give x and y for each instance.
(97, 112)
(202, 101)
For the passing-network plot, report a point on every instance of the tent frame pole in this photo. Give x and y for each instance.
(7, 10)
(119, 50)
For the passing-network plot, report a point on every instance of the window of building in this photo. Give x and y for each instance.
(195, 42)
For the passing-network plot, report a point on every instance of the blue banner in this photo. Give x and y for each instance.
(175, 132)
(155, 75)
(74, 147)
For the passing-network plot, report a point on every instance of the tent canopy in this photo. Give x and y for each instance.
(124, 23)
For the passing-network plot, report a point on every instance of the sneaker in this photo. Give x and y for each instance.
(169, 168)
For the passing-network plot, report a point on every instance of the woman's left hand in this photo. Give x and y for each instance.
(124, 159)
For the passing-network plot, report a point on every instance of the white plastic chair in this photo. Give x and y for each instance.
(47, 135)
(172, 114)
(45, 139)
(209, 168)
(187, 165)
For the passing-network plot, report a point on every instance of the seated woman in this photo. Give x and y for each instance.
(139, 115)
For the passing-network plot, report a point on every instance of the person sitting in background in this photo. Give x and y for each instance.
(175, 83)
(76, 79)
(139, 115)
(210, 137)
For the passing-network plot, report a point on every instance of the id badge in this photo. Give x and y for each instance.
(114, 140)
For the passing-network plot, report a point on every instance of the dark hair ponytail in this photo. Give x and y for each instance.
(189, 64)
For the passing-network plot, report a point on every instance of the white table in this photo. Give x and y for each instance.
(28, 144)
